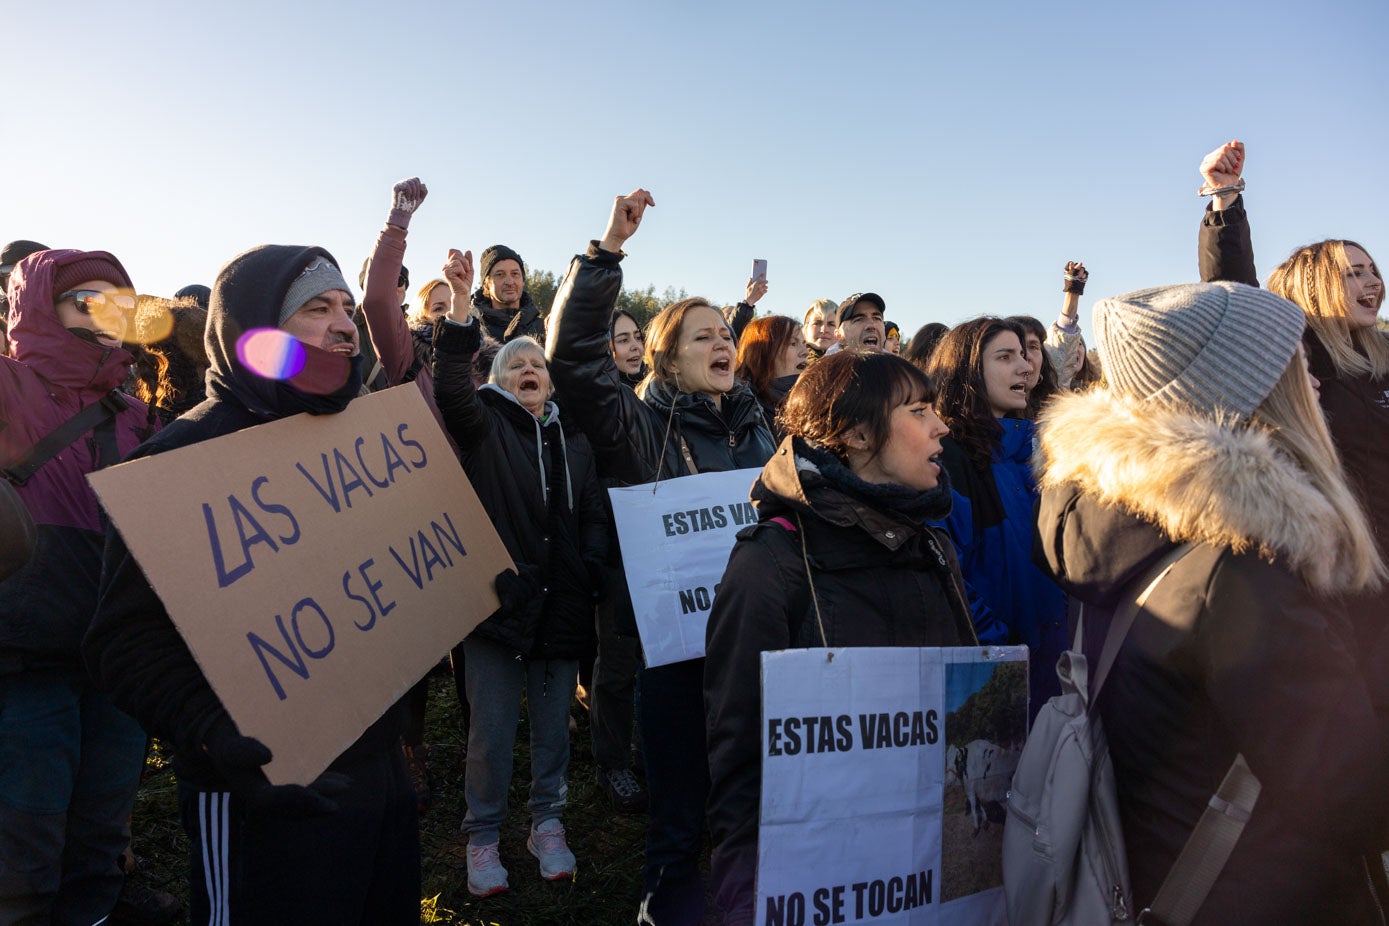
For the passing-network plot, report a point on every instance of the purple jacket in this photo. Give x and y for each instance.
(50, 375)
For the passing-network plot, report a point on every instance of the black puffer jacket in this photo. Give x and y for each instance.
(504, 325)
(1243, 648)
(539, 484)
(627, 432)
(882, 578)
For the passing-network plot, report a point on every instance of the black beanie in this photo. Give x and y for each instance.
(499, 252)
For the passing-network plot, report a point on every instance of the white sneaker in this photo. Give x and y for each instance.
(547, 844)
(486, 876)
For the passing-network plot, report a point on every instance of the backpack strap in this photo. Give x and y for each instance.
(1207, 849)
(1201, 860)
(53, 443)
(1124, 616)
(783, 523)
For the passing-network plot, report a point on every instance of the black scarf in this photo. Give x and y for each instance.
(897, 500)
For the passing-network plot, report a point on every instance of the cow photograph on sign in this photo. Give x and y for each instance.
(985, 725)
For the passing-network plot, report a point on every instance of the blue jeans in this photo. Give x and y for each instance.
(670, 713)
(496, 679)
(69, 768)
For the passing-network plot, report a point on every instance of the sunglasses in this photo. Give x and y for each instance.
(91, 300)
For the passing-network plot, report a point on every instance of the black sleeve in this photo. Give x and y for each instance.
(742, 314)
(459, 406)
(751, 614)
(136, 654)
(620, 427)
(1224, 249)
(594, 528)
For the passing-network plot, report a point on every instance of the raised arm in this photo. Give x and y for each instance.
(619, 425)
(1224, 248)
(390, 333)
(743, 311)
(1065, 344)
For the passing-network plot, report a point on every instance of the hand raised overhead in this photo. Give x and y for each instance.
(406, 197)
(625, 218)
(1224, 165)
(458, 270)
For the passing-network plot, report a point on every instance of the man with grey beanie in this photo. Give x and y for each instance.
(502, 301)
(344, 849)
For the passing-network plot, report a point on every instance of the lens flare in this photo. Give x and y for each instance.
(271, 353)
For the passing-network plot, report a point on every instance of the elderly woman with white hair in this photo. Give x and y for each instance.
(537, 480)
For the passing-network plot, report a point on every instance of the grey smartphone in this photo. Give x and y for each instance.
(759, 268)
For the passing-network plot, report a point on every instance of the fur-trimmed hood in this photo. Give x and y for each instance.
(1196, 479)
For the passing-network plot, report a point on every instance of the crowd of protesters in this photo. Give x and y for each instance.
(977, 489)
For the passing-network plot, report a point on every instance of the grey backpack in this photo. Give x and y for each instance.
(1063, 847)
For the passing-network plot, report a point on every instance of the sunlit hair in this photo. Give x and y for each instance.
(1314, 278)
(762, 344)
(826, 307)
(419, 309)
(663, 341)
(1293, 420)
(957, 369)
(1046, 382)
(848, 390)
(511, 349)
(923, 343)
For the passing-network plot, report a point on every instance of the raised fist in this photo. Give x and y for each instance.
(406, 197)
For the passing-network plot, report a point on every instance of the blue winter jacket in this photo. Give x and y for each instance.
(1011, 599)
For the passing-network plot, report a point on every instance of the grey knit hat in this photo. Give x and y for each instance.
(1214, 347)
(320, 276)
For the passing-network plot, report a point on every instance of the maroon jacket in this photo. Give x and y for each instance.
(50, 375)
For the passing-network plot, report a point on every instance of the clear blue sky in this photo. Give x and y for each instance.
(950, 156)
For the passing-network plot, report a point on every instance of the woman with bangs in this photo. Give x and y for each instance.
(689, 415)
(842, 555)
(982, 371)
(1340, 289)
(771, 355)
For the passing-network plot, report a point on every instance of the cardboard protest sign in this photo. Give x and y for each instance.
(675, 537)
(317, 566)
(884, 776)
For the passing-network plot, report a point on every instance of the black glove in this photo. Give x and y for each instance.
(238, 759)
(516, 591)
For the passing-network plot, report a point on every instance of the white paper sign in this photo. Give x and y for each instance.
(675, 538)
(883, 775)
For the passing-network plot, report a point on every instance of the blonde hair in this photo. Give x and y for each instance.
(1314, 278)
(419, 310)
(1293, 419)
(826, 307)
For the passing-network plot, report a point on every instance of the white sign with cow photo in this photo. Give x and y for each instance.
(885, 773)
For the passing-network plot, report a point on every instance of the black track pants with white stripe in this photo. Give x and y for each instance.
(359, 865)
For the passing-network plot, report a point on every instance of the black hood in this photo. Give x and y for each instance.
(1095, 551)
(247, 295)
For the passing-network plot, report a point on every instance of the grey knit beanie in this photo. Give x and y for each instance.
(317, 278)
(1214, 347)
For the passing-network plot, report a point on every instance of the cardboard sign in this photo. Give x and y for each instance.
(675, 537)
(317, 566)
(884, 776)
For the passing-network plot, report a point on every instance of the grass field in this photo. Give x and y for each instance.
(608, 844)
